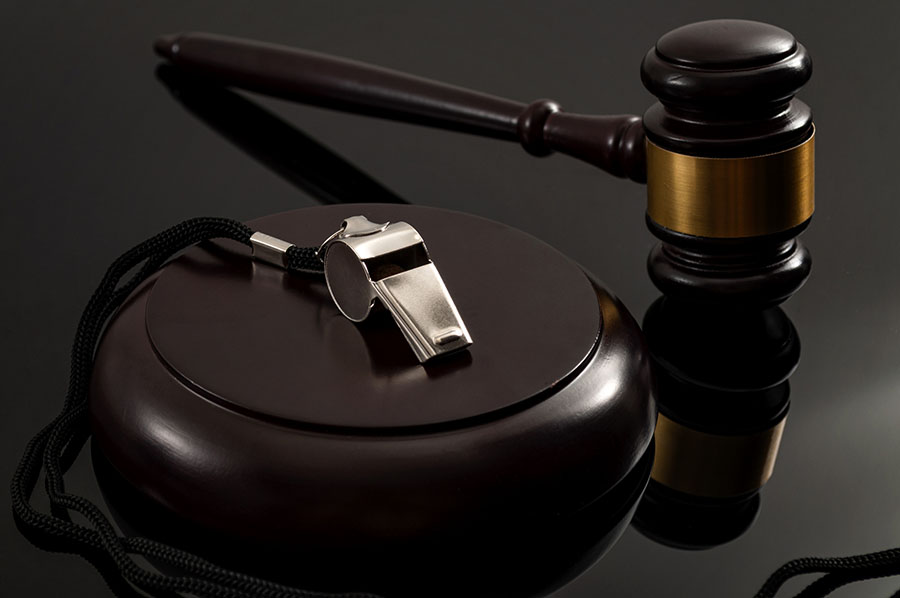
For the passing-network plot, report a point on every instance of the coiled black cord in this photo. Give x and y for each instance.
(198, 576)
(839, 571)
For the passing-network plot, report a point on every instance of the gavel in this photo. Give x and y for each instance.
(727, 152)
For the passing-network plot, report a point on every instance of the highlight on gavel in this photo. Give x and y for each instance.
(727, 152)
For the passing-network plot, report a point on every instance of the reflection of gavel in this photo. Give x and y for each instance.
(727, 153)
(723, 392)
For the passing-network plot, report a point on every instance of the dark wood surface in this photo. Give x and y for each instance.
(614, 143)
(726, 89)
(276, 346)
(228, 378)
(749, 272)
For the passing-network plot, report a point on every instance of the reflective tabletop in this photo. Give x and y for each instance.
(103, 147)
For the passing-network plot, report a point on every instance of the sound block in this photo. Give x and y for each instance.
(236, 395)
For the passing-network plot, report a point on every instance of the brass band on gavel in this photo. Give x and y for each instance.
(731, 197)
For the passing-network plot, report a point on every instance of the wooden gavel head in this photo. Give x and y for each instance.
(729, 162)
(727, 152)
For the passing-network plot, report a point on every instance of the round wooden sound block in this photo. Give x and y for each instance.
(236, 395)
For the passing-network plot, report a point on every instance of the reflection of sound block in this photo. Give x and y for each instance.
(237, 396)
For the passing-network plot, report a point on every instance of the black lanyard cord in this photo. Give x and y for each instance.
(44, 451)
(839, 571)
(65, 435)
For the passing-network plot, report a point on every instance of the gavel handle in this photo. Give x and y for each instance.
(613, 143)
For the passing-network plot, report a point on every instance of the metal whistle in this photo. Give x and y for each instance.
(365, 261)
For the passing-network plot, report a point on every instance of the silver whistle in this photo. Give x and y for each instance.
(365, 260)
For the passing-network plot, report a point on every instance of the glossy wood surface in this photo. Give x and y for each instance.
(614, 143)
(345, 443)
(527, 561)
(275, 346)
(726, 89)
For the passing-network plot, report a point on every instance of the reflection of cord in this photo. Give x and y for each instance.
(53, 447)
(840, 571)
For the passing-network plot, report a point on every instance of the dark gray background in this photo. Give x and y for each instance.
(96, 156)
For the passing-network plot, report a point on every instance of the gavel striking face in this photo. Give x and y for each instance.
(727, 153)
